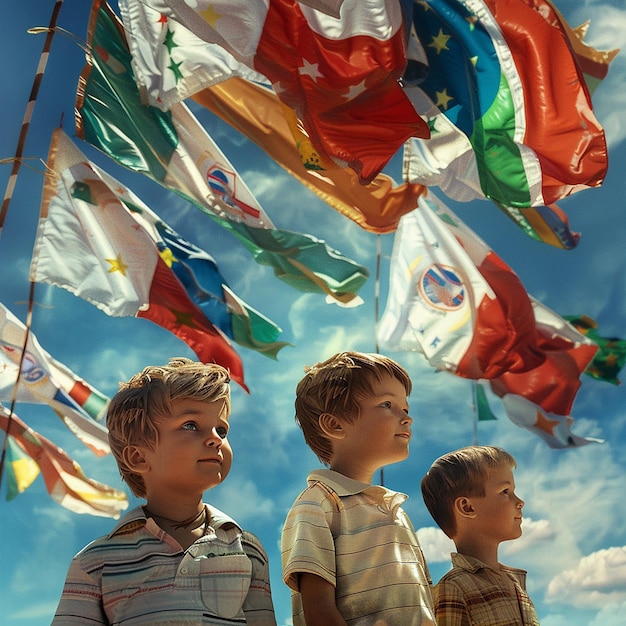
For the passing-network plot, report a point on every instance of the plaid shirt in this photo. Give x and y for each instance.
(473, 594)
(139, 575)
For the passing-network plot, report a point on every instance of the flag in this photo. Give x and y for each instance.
(554, 429)
(506, 75)
(453, 299)
(340, 75)
(43, 380)
(65, 480)
(196, 270)
(89, 243)
(541, 399)
(611, 355)
(554, 383)
(173, 149)
(483, 410)
(258, 114)
(20, 469)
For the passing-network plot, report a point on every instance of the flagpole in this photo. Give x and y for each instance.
(475, 412)
(376, 297)
(19, 150)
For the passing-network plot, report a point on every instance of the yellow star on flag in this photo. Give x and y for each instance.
(443, 98)
(168, 257)
(117, 265)
(210, 15)
(440, 42)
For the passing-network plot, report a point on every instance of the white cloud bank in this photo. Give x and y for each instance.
(599, 580)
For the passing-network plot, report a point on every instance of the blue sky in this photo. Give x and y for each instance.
(574, 541)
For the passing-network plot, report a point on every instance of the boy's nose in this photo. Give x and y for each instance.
(213, 439)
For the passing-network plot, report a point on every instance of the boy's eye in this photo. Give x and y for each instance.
(222, 432)
(190, 426)
(386, 404)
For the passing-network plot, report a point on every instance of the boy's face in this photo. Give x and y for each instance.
(192, 453)
(499, 511)
(381, 434)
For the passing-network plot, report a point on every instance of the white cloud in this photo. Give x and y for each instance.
(435, 544)
(533, 532)
(598, 580)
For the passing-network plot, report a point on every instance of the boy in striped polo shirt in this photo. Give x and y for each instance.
(175, 560)
(350, 554)
(470, 493)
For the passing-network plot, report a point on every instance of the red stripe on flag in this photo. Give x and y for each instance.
(171, 308)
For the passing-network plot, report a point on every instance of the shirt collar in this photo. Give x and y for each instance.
(345, 486)
(472, 565)
(138, 517)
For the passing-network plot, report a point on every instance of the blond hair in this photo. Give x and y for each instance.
(334, 386)
(146, 400)
(460, 473)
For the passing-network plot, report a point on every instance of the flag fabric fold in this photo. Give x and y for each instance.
(258, 114)
(339, 74)
(43, 380)
(64, 479)
(91, 244)
(173, 149)
(509, 109)
(20, 469)
(554, 429)
(453, 299)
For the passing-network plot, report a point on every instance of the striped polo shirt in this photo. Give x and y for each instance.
(358, 538)
(138, 575)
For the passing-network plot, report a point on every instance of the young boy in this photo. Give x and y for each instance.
(470, 493)
(350, 554)
(175, 560)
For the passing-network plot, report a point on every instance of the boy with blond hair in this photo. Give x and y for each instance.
(175, 560)
(350, 553)
(470, 493)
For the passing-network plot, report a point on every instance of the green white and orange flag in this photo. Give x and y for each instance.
(43, 380)
(65, 481)
(508, 101)
(173, 149)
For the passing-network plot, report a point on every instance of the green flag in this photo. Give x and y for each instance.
(611, 355)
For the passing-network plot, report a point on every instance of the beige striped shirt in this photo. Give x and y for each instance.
(358, 538)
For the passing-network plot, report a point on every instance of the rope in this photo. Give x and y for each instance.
(19, 150)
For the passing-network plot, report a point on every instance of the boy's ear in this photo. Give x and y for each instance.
(135, 458)
(463, 506)
(331, 426)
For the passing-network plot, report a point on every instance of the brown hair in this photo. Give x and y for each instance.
(146, 399)
(335, 386)
(460, 473)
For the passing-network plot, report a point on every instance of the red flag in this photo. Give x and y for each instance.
(339, 75)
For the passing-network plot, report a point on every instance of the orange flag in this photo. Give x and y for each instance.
(258, 114)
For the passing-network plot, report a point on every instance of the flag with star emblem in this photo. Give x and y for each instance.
(554, 429)
(65, 481)
(509, 106)
(44, 380)
(338, 73)
(89, 243)
(453, 299)
(173, 149)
